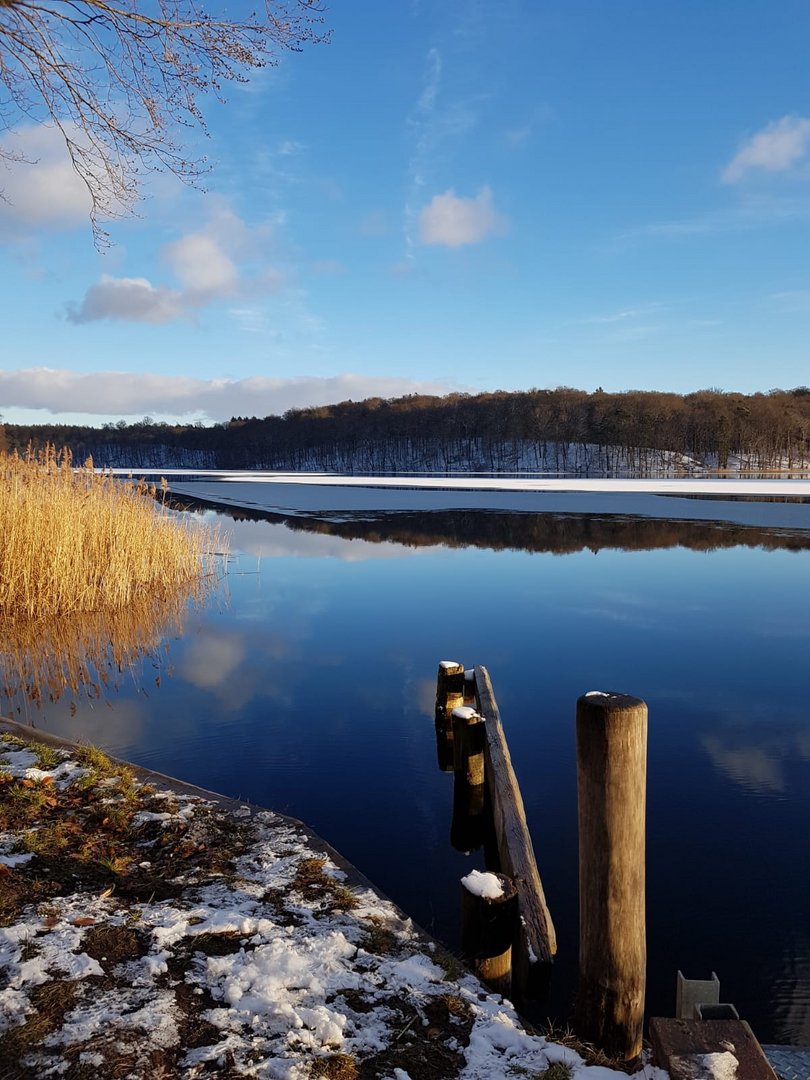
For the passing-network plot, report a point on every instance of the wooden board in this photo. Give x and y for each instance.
(514, 843)
(683, 1046)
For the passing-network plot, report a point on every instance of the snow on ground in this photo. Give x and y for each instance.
(320, 493)
(270, 964)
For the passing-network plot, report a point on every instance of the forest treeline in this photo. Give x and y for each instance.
(567, 430)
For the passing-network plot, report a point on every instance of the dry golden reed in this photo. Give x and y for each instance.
(74, 540)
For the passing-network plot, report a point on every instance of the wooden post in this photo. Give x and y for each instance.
(488, 925)
(468, 745)
(611, 788)
(449, 694)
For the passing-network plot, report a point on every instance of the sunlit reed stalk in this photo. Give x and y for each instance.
(73, 540)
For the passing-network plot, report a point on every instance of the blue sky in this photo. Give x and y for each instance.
(448, 196)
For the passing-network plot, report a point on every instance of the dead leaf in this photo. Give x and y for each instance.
(83, 920)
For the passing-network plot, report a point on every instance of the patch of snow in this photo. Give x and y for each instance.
(722, 1066)
(16, 860)
(465, 712)
(483, 884)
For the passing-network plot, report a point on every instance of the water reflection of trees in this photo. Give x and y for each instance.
(87, 655)
(559, 534)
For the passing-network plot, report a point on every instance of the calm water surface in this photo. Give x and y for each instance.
(308, 686)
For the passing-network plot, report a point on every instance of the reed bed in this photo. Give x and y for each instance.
(74, 540)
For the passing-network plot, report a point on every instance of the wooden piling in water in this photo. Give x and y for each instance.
(611, 789)
(468, 745)
(488, 928)
(449, 695)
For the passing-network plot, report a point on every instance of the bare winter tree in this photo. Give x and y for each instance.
(121, 79)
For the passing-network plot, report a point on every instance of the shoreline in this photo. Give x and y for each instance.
(277, 959)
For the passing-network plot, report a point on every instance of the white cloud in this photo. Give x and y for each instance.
(121, 393)
(452, 221)
(129, 299)
(201, 266)
(779, 145)
(37, 181)
(204, 264)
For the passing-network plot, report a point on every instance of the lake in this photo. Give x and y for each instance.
(307, 683)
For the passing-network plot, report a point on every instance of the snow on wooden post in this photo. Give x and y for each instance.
(611, 788)
(489, 919)
(449, 695)
(468, 745)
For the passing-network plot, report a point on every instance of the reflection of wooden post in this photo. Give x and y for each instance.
(467, 826)
(449, 694)
(488, 926)
(468, 745)
(611, 783)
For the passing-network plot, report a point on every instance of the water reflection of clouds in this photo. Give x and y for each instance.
(755, 757)
(264, 538)
(116, 727)
(211, 657)
(237, 666)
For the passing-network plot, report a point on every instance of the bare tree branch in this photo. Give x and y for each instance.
(120, 80)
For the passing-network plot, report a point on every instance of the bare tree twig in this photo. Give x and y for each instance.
(120, 80)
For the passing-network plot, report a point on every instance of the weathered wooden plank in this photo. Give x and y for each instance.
(706, 1049)
(514, 843)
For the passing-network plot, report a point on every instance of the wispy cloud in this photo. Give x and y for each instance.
(753, 213)
(420, 125)
(627, 314)
(451, 220)
(780, 145)
(375, 223)
(792, 301)
(121, 393)
(329, 267)
(520, 134)
(430, 126)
